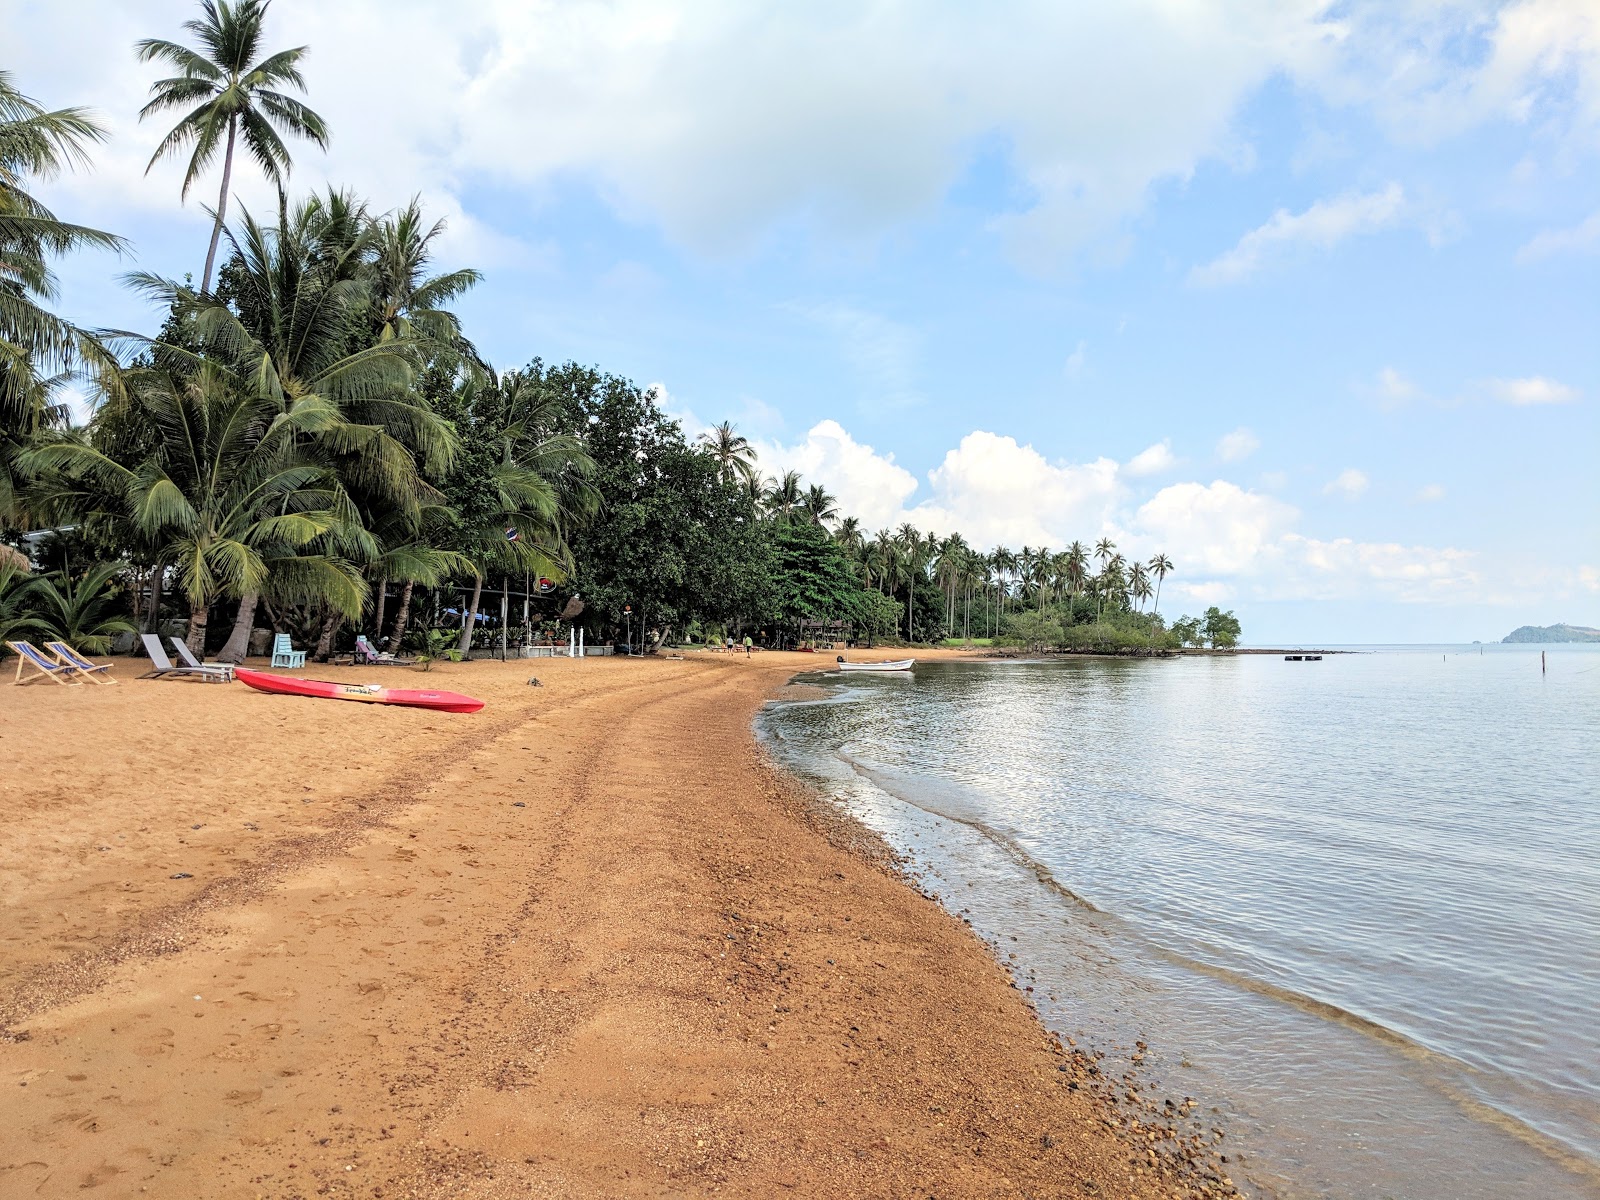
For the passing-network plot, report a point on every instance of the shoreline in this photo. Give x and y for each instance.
(591, 942)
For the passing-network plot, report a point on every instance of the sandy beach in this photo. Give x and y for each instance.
(586, 942)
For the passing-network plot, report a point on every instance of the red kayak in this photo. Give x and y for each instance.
(372, 693)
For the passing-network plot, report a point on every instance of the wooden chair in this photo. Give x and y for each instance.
(29, 655)
(92, 671)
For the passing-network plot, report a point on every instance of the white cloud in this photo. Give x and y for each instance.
(1536, 389)
(868, 485)
(1394, 389)
(1348, 483)
(1230, 543)
(1238, 445)
(1431, 493)
(1322, 226)
(883, 352)
(1074, 363)
(1154, 460)
(1223, 528)
(996, 491)
(1583, 238)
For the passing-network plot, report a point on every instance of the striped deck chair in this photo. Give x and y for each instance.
(44, 667)
(92, 671)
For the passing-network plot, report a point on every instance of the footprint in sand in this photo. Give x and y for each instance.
(161, 1044)
(435, 920)
(240, 1097)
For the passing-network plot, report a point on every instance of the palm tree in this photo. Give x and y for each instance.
(226, 88)
(784, 497)
(36, 346)
(1077, 567)
(881, 558)
(290, 320)
(1139, 583)
(819, 505)
(538, 485)
(736, 457)
(411, 303)
(1160, 567)
(77, 608)
(230, 490)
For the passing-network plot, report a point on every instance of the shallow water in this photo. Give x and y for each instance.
(1353, 906)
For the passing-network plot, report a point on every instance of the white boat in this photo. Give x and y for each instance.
(902, 664)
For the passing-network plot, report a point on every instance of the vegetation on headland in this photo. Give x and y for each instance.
(1553, 633)
(315, 446)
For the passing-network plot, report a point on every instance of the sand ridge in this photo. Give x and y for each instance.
(584, 943)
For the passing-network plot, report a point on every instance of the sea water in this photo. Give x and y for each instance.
(1351, 907)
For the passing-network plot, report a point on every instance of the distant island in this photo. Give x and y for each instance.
(1553, 633)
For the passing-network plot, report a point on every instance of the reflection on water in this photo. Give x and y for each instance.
(1354, 905)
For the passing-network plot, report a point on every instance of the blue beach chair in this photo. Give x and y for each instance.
(29, 655)
(284, 654)
(92, 671)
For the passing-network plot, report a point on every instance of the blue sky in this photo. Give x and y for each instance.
(1303, 294)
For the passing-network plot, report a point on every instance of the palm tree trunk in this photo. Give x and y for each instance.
(470, 617)
(239, 639)
(377, 610)
(401, 616)
(198, 613)
(330, 626)
(1156, 607)
(222, 205)
(152, 621)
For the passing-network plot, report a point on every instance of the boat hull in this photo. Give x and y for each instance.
(321, 689)
(904, 664)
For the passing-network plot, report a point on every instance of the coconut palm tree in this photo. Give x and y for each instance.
(231, 489)
(819, 505)
(881, 559)
(411, 303)
(226, 90)
(1160, 566)
(295, 318)
(1077, 567)
(1139, 584)
(536, 486)
(77, 609)
(37, 347)
(736, 457)
(785, 497)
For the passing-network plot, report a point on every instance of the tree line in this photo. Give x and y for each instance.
(310, 443)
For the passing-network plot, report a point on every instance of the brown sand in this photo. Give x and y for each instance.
(583, 943)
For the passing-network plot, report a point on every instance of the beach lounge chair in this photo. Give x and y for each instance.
(284, 654)
(92, 671)
(161, 666)
(368, 655)
(45, 667)
(187, 658)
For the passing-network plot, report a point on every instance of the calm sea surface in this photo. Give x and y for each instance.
(1352, 907)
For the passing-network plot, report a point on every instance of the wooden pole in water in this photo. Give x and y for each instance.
(1541, 662)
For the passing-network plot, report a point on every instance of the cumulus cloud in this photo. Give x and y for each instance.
(1238, 445)
(868, 485)
(1322, 226)
(1154, 460)
(1583, 238)
(1535, 389)
(1348, 483)
(1230, 543)
(720, 121)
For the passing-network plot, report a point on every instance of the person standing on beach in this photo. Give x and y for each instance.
(747, 645)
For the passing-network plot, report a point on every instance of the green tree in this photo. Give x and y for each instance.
(77, 609)
(227, 91)
(1160, 566)
(1221, 629)
(814, 579)
(37, 347)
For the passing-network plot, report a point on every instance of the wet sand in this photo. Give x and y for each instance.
(586, 942)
